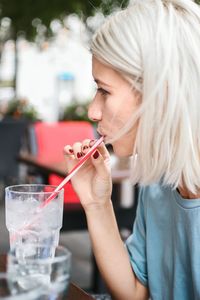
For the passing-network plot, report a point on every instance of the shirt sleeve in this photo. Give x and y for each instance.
(136, 243)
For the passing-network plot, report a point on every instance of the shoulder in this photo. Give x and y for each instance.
(155, 192)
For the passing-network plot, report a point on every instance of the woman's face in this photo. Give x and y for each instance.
(112, 106)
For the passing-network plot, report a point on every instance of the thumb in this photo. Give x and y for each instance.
(101, 165)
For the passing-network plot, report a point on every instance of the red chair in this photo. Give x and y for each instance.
(50, 141)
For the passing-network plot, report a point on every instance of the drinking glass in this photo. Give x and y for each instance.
(30, 220)
(11, 290)
(52, 273)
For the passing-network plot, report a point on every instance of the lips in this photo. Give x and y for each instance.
(100, 132)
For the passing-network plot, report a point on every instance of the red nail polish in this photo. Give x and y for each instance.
(96, 154)
(79, 154)
(85, 147)
(71, 151)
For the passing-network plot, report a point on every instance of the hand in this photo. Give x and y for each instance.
(92, 182)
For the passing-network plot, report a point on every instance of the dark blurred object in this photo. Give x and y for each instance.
(12, 135)
(101, 296)
(19, 109)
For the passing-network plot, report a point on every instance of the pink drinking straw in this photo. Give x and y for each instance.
(61, 185)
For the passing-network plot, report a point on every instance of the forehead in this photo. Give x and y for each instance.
(99, 67)
(107, 74)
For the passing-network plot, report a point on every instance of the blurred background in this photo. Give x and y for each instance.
(44, 53)
(45, 77)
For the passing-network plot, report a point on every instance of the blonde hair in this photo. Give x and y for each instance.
(155, 45)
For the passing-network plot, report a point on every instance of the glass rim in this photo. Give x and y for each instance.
(49, 260)
(11, 189)
(26, 293)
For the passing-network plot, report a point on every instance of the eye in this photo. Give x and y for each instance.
(102, 92)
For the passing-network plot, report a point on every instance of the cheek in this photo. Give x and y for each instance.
(122, 117)
(113, 110)
(113, 122)
(117, 111)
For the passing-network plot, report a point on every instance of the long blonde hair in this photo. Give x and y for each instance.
(155, 45)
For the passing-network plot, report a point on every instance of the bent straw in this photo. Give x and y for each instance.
(61, 185)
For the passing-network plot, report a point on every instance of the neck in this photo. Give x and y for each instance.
(187, 194)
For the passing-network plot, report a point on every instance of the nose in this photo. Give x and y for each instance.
(95, 111)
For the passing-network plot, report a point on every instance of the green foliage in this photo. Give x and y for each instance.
(18, 109)
(23, 12)
(76, 112)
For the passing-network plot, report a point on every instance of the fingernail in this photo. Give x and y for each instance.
(79, 154)
(85, 147)
(71, 151)
(96, 154)
(91, 143)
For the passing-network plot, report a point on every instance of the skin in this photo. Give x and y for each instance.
(111, 108)
(187, 194)
(113, 105)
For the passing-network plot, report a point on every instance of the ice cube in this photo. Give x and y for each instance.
(19, 212)
(51, 216)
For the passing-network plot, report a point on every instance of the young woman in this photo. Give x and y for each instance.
(147, 68)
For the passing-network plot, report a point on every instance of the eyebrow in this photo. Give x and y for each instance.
(101, 82)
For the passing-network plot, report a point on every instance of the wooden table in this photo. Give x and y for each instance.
(59, 167)
(75, 293)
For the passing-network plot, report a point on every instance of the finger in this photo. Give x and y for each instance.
(91, 143)
(86, 145)
(71, 161)
(103, 150)
(77, 148)
(100, 164)
(68, 150)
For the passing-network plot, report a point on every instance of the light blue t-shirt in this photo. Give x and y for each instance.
(164, 247)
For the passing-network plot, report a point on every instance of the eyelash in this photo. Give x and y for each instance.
(102, 92)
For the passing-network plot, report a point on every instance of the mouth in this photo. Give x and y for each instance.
(101, 133)
(105, 138)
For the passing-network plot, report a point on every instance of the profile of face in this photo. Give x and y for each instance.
(114, 103)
